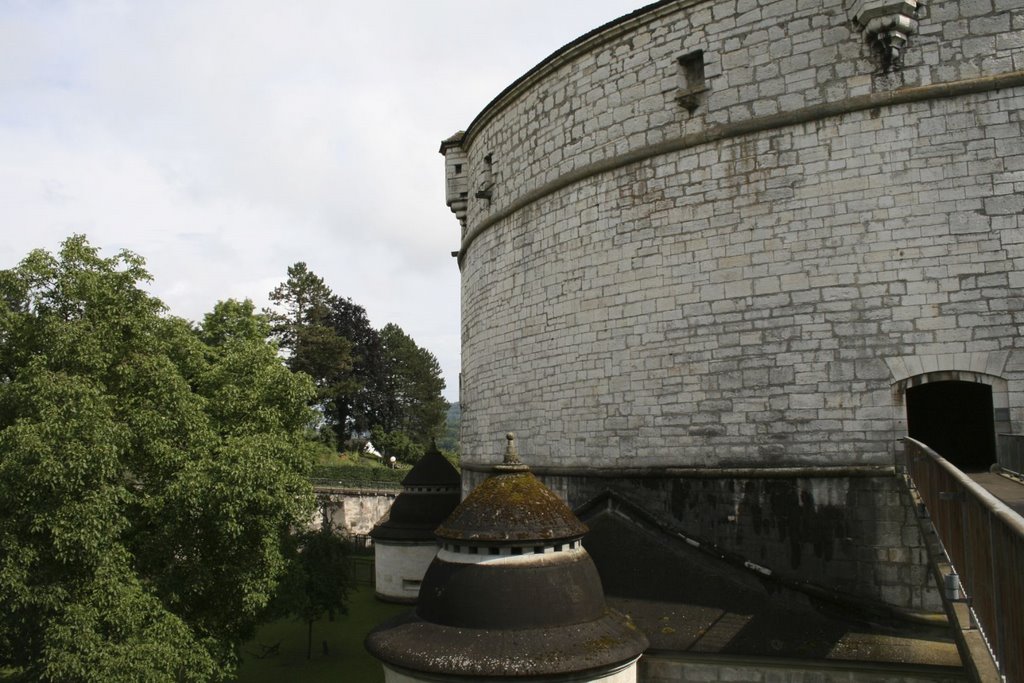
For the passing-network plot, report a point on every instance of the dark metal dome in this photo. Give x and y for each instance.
(410, 643)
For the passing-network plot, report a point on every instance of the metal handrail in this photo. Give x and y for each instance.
(984, 540)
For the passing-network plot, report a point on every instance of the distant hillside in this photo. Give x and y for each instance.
(449, 441)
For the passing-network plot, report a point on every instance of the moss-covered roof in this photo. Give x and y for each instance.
(516, 615)
(511, 507)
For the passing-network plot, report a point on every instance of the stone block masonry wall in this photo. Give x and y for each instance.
(854, 535)
(616, 92)
(352, 512)
(743, 285)
(675, 272)
(739, 303)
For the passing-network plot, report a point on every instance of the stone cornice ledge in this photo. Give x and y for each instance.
(702, 472)
(715, 133)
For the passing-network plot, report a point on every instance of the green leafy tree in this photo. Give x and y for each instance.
(413, 386)
(365, 379)
(396, 444)
(449, 442)
(149, 472)
(304, 326)
(361, 406)
(330, 338)
(317, 581)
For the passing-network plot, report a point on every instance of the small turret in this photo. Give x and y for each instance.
(511, 593)
(456, 176)
(404, 542)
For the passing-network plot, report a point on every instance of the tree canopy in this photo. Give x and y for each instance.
(316, 583)
(149, 473)
(413, 387)
(367, 380)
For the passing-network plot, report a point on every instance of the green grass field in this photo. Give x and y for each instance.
(346, 660)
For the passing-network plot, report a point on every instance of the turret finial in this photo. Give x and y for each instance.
(512, 461)
(511, 452)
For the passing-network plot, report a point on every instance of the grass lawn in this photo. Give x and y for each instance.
(346, 660)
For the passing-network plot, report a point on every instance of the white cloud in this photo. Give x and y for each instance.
(225, 140)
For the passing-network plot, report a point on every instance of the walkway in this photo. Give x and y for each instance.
(1010, 491)
(977, 518)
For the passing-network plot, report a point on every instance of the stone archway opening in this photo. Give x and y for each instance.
(956, 419)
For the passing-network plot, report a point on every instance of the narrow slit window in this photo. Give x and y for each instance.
(487, 179)
(691, 79)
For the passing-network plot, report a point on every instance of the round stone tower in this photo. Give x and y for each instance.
(403, 543)
(719, 257)
(511, 594)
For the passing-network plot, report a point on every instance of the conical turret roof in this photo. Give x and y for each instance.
(511, 506)
(431, 493)
(433, 469)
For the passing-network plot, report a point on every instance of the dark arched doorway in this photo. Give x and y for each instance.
(955, 419)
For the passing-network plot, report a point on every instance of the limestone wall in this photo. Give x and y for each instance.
(750, 283)
(399, 569)
(616, 91)
(351, 511)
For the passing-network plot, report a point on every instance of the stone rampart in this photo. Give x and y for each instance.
(856, 535)
(709, 248)
(741, 260)
(352, 511)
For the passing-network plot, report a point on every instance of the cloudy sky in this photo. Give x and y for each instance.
(224, 140)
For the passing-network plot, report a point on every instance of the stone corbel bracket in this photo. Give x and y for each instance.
(888, 24)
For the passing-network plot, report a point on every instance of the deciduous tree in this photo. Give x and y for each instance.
(317, 581)
(149, 473)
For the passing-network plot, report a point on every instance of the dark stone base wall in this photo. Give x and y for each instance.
(852, 534)
(663, 669)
